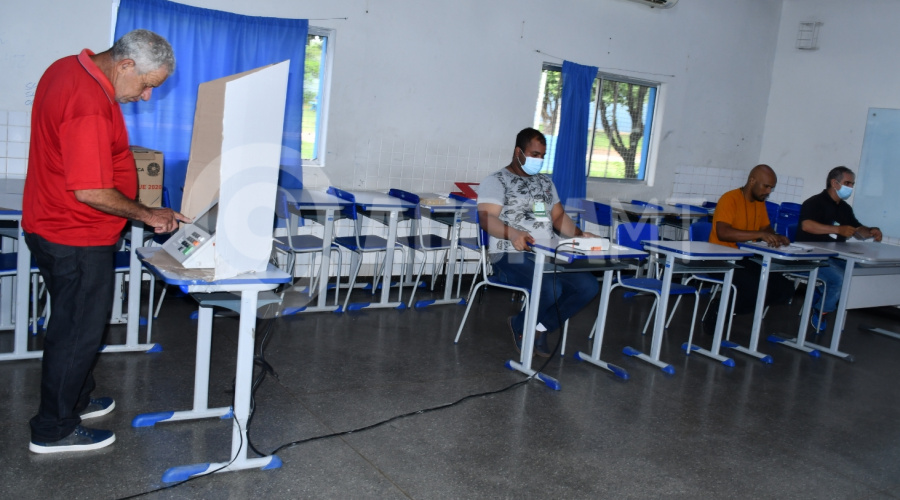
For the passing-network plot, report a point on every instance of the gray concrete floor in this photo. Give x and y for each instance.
(799, 428)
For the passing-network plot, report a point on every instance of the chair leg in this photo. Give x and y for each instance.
(731, 311)
(150, 307)
(650, 317)
(466, 314)
(477, 272)
(159, 304)
(357, 261)
(34, 304)
(412, 294)
(684, 281)
(338, 274)
(687, 350)
(712, 298)
(672, 313)
(562, 347)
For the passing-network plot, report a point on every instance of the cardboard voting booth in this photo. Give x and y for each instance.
(235, 158)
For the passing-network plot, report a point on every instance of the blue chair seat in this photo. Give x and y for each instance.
(123, 261)
(652, 284)
(299, 243)
(427, 242)
(8, 262)
(367, 243)
(470, 243)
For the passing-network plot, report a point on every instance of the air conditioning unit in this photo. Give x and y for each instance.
(662, 4)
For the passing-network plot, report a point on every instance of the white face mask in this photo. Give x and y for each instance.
(532, 165)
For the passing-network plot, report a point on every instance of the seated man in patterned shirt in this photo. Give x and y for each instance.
(516, 205)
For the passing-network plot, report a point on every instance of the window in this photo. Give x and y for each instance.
(619, 123)
(316, 76)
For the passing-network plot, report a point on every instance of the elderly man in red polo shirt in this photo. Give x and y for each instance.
(79, 191)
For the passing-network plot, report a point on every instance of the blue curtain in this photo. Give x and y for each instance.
(210, 44)
(569, 167)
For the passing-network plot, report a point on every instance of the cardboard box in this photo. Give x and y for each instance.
(149, 165)
(235, 159)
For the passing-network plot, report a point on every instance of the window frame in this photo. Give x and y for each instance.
(651, 145)
(325, 97)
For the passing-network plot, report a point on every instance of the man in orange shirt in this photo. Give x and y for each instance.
(741, 216)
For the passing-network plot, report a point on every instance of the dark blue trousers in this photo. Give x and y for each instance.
(80, 281)
(563, 294)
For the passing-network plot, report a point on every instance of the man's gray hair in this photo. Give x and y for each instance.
(837, 173)
(148, 50)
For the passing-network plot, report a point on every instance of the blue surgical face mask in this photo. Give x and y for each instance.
(532, 165)
(844, 192)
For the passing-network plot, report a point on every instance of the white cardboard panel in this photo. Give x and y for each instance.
(253, 124)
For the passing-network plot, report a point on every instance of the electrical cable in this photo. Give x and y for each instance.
(266, 368)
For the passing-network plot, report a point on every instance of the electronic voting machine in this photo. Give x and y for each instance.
(193, 245)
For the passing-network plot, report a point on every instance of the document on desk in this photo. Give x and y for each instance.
(586, 244)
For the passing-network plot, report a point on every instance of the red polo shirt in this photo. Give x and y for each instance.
(78, 141)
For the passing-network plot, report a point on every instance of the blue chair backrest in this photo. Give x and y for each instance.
(631, 235)
(410, 213)
(709, 205)
(597, 213)
(350, 210)
(281, 208)
(788, 214)
(772, 211)
(645, 204)
(700, 231)
(165, 198)
(470, 213)
(788, 207)
(792, 232)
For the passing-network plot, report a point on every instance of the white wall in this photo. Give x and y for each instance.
(819, 99)
(428, 92)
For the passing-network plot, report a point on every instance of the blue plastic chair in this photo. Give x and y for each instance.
(772, 211)
(9, 267)
(803, 278)
(631, 235)
(292, 244)
(471, 243)
(788, 215)
(358, 244)
(700, 231)
(646, 204)
(488, 279)
(598, 213)
(419, 241)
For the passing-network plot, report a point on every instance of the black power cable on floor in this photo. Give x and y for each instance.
(266, 368)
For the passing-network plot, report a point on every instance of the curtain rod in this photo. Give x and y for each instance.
(607, 68)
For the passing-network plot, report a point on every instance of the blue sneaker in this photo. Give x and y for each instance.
(814, 322)
(98, 407)
(81, 439)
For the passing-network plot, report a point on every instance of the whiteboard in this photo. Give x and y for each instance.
(876, 201)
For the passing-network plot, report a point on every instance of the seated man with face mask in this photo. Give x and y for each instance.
(516, 205)
(827, 217)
